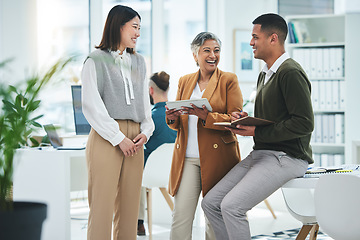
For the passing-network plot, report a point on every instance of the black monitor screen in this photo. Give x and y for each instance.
(82, 127)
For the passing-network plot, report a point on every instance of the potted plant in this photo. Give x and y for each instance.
(20, 220)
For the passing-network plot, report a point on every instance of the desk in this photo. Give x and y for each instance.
(46, 176)
(301, 183)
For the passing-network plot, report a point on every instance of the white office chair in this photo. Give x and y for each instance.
(300, 204)
(337, 198)
(156, 174)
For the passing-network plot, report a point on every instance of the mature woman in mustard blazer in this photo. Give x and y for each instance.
(203, 152)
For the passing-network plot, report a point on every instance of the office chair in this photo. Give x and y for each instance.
(337, 198)
(156, 175)
(300, 204)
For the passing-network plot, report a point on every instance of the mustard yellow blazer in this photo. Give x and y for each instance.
(218, 148)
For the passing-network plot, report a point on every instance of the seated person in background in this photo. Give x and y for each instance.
(158, 90)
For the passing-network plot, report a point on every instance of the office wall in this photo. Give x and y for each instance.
(18, 33)
(226, 15)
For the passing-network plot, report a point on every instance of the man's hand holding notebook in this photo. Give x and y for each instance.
(243, 119)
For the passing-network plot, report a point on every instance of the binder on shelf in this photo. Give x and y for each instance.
(335, 94)
(331, 123)
(318, 128)
(313, 66)
(325, 128)
(332, 62)
(342, 92)
(338, 159)
(319, 63)
(315, 94)
(339, 61)
(307, 61)
(322, 94)
(328, 96)
(317, 159)
(298, 55)
(326, 62)
(324, 160)
(339, 128)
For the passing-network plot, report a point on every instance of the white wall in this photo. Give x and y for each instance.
(226, 15)
(18, 33)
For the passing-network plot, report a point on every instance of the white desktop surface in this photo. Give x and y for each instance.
(45, 176)
(301, 183)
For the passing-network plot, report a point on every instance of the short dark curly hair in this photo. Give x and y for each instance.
(273, 23)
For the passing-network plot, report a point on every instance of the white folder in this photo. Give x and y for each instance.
(298, 55)
(335, 94)
(319, 63)
(339, 58)
(338, 159)
(332, 62)
(339, 128)
(324, 159)
(325, 128)
(313, 62)
(307, 61)
(315, 94)
(342, 97)
(326, 62)
(331, 127)
(328, 94)
(318, 128)
(322, 94)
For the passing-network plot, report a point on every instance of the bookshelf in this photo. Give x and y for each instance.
(326, 47)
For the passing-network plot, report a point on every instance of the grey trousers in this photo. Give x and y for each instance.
(244, 186)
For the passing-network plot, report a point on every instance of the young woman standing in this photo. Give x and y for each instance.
(116, 104)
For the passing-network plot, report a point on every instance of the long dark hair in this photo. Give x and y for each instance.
(117, 17)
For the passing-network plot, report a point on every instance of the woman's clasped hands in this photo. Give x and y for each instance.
(130, 147)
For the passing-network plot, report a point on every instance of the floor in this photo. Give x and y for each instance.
(260, 219)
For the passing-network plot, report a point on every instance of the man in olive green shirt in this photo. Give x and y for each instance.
(282, 150)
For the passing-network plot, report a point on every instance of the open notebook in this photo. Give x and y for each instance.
(56, 141)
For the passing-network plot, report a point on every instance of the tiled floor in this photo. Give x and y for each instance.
(260, 219)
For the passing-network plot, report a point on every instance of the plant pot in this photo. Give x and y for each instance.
(23, 222)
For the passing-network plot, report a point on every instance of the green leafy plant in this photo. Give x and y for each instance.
(17, 122)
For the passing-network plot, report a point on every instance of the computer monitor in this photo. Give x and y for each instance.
(82, 127)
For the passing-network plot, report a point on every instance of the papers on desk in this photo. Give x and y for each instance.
(318, 171)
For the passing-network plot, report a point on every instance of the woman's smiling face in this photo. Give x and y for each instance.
(208, 56)
(129, 33)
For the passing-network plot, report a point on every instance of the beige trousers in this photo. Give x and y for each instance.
(114, 183)
(185, 202)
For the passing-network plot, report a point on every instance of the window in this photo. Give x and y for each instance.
(63, 31)
(182, 21)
